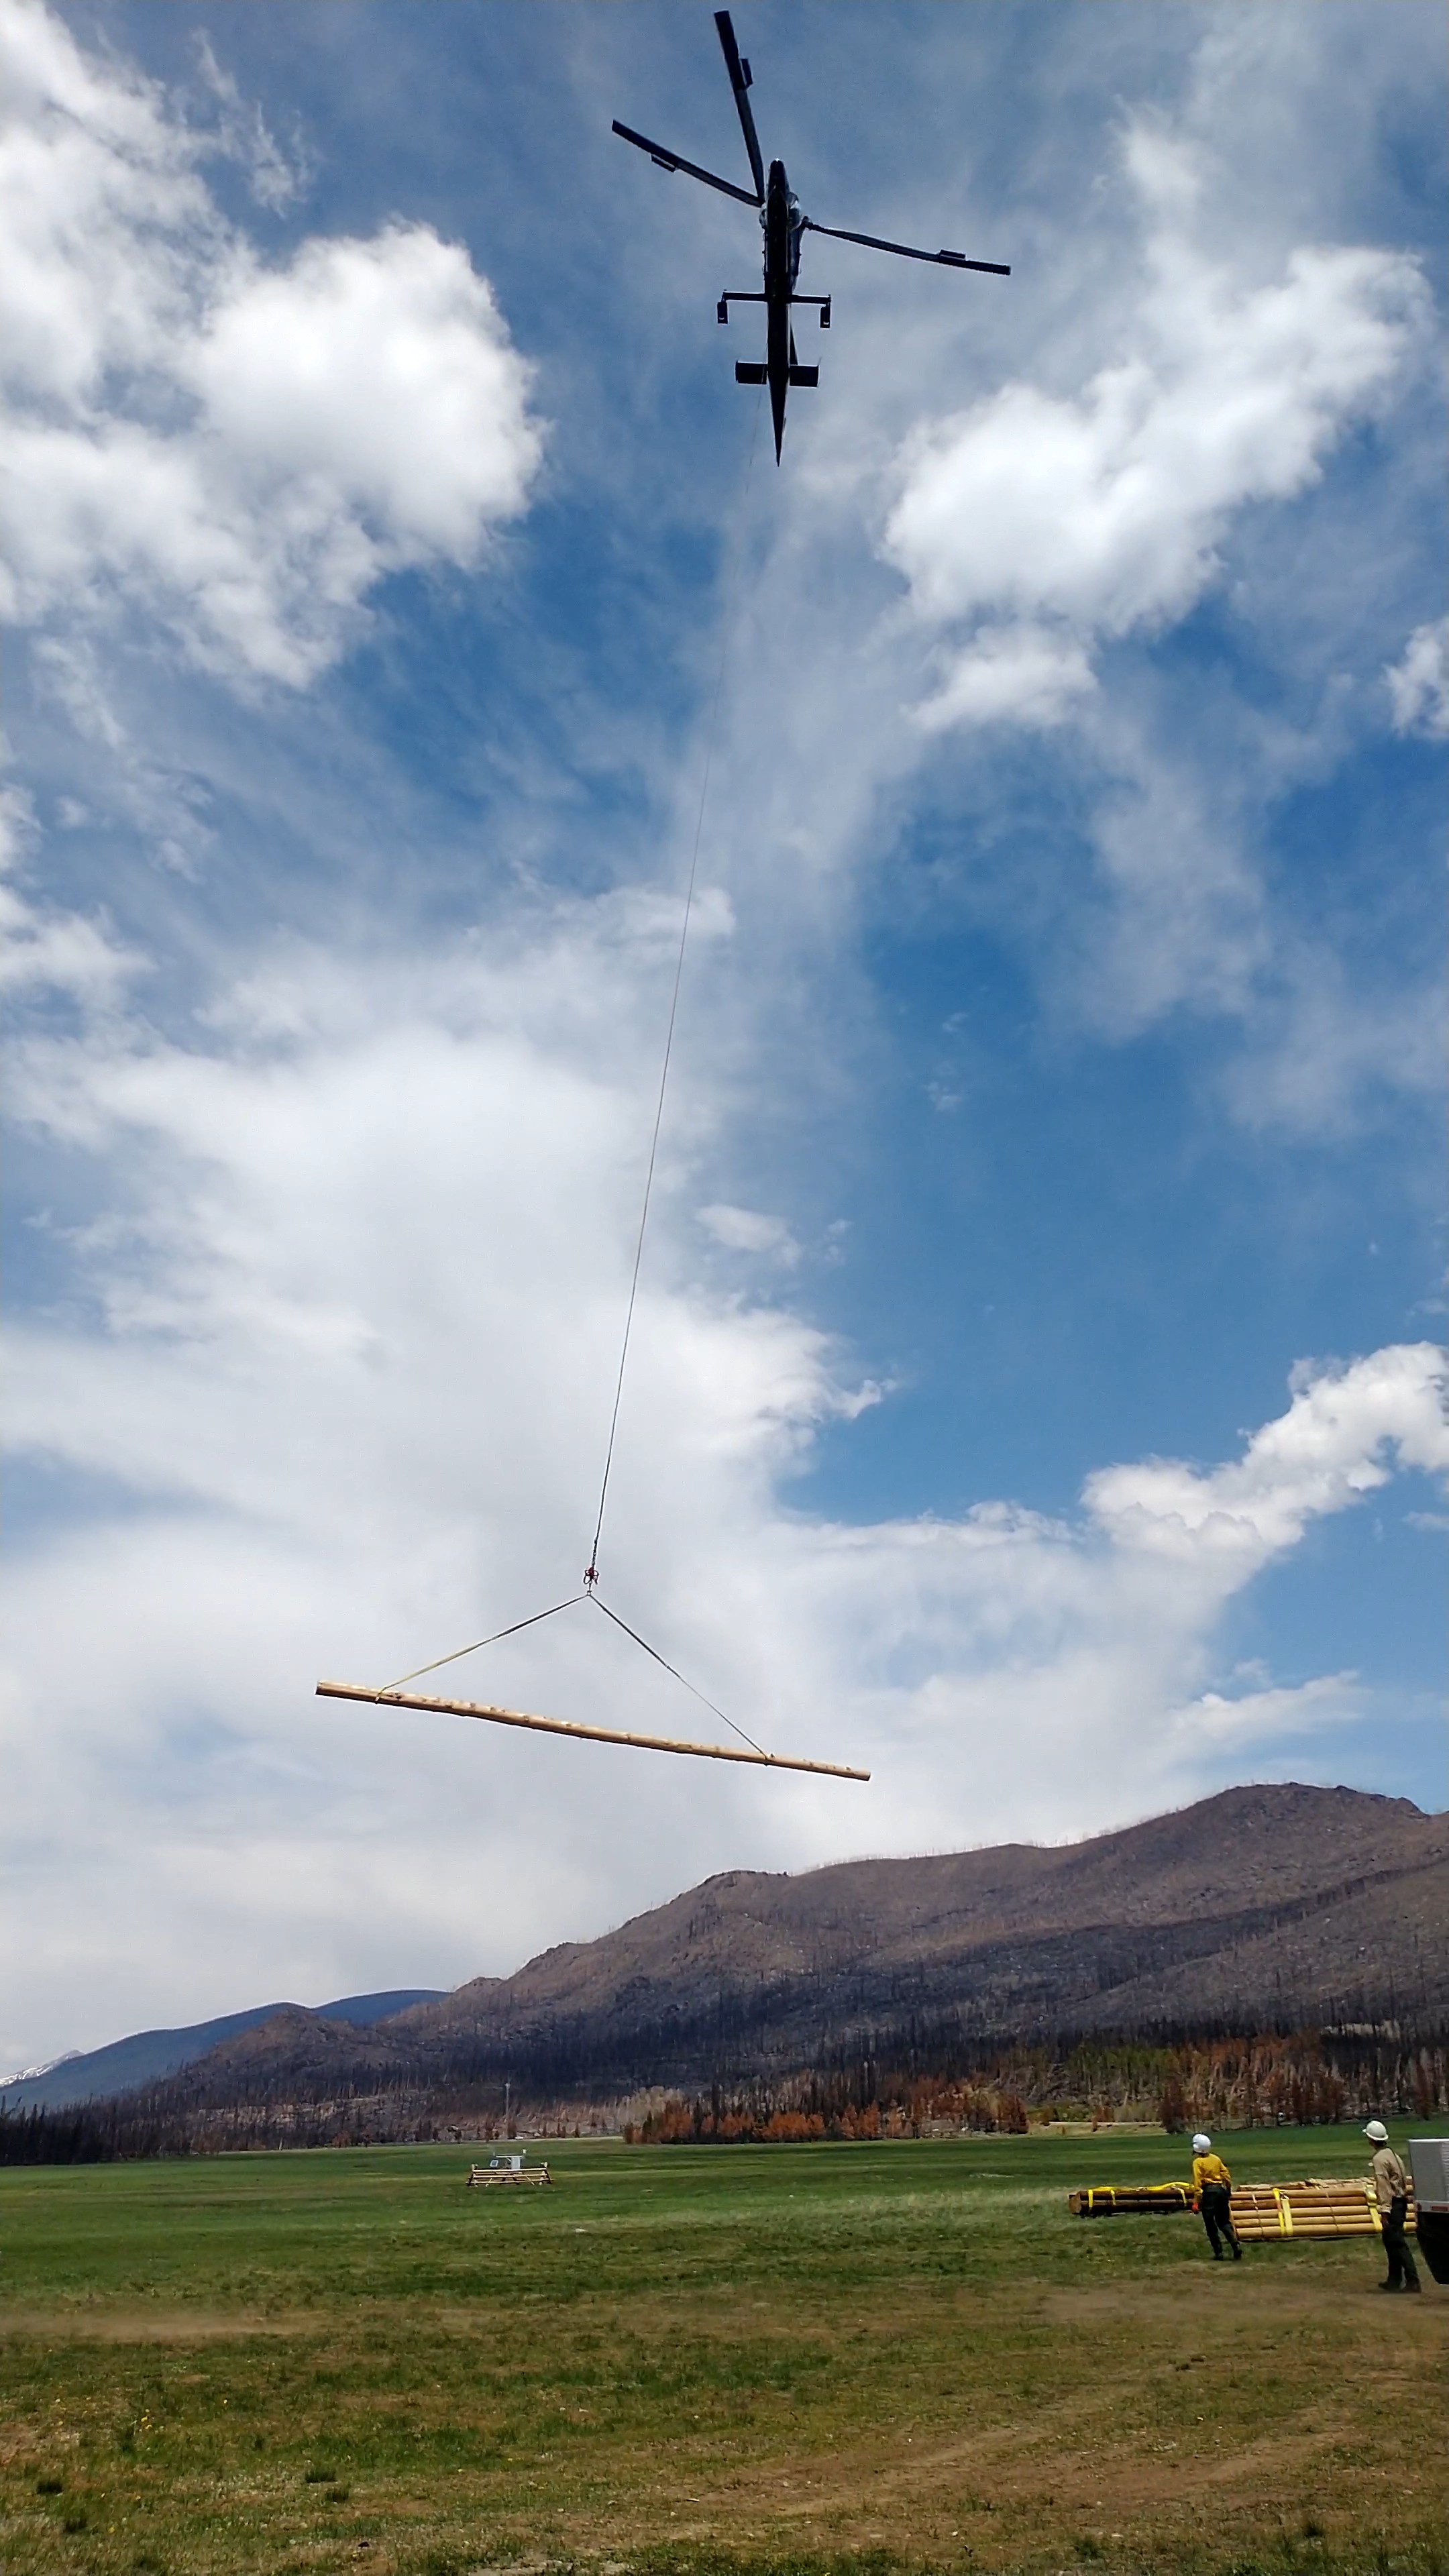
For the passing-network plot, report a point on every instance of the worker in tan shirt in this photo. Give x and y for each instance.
(1391, 2188)
(1212, 2182)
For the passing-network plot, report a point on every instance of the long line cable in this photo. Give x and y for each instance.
(591, 1572)
(591, 1576)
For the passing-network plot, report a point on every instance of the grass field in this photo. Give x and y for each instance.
(867, 2357)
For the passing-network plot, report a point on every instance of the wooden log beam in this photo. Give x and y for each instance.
(589, 1734)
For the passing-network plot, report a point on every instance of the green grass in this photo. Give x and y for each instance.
(873, 2358)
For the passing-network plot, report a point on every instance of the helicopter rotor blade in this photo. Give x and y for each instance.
(691, 169)
(903, 250)
(739, 73)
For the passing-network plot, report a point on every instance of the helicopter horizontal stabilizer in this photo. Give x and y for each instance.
(748, 374)
(804, 375)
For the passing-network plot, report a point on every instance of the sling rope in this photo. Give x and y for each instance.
(592, 1594)
(498, 1635)
(678, 1675)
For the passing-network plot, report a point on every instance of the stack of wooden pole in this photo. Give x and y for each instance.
(1264, 2211)
(1104, 2199)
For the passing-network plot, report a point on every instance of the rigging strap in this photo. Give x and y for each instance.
(672, 1668)
(532, 1622)
(459, 1652)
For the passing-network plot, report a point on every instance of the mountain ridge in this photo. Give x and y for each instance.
(1262, 1908)
(149, 2056)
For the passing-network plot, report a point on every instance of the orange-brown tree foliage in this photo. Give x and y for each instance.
(1299, 2081)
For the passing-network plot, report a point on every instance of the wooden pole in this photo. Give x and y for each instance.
(590, 1734)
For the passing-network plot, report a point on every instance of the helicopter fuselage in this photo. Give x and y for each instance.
(780, 221)
(782, 225)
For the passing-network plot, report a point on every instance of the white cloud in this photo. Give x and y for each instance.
(1185, 923)
(1322, 1049)
(373, 381)
(51, 951)
(276, 175)
(346, 1244)
(330, 1396)
(167, 808)
(245, 451)
(746, 1230)
(1335, 1444)
(99, 205)
(1049, 534)
(1051, 523)
(1236, 1722)
(1419, 684)
(1023, 674)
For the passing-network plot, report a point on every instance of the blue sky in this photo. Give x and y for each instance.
(1034, 1394)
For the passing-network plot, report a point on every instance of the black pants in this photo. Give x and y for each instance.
(1217, 2218)
(1402, 2275)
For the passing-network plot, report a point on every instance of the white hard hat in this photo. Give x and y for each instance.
(1375, 2129)
(1200, 2144)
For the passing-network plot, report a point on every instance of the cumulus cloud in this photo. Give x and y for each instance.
(248, 450)
(344, 1241)
(1336, 1443)
(1419, 684)
(1053, 532)
(378, 376)
(350, 1264)
(1048, 524)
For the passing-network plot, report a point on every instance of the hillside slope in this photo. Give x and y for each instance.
(1257, 1909)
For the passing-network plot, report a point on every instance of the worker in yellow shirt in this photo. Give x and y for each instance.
(1391, 2190)
(1212, 2182)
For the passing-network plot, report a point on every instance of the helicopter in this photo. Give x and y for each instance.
(784, 227)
